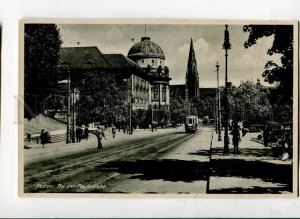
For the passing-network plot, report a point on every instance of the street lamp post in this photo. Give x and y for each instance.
(226, 46)
(219, 105)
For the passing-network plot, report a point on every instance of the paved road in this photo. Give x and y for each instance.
(168, 162)
(183, 169)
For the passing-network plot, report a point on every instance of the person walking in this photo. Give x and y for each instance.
(266, 136)
(100, 134)
(236, 137)
(77, 132)
(86, 133)
(43, 137)
(113, 130)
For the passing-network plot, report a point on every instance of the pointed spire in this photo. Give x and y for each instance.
(192, 77)
(192, 57)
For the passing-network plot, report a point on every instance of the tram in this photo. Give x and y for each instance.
(191, 124)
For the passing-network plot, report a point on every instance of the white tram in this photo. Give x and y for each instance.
(191, 124)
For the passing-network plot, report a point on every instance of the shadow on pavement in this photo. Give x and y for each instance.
(253, 152)
(168, 170)
(268, 172)
(201, 153)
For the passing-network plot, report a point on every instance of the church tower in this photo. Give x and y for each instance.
(192, 77)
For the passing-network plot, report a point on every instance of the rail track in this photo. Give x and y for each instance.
(67, 168)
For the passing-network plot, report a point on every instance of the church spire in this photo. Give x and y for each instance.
(192, 78)
(192, 57)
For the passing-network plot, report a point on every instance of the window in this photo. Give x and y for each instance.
(163, 94)
(155, 94)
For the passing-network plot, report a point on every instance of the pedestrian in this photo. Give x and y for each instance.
(77, 132)
(266, 135)
(86, 132)
(236, 137)
(113, 130)
(43, 137)
(80, 134)
(100, 134)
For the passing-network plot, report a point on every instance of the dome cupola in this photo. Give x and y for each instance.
(145, 49)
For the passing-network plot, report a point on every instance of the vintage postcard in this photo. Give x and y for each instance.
(158, 108)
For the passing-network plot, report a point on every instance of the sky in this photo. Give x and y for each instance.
(243, 64)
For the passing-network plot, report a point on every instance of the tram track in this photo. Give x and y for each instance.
(69, 169)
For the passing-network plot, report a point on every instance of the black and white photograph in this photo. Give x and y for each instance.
(158, 108)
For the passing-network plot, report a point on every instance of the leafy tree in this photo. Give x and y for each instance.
(206, 106)
(42, 44)
(102, 98)
(282, 44)
(250, 103)
(178, 109)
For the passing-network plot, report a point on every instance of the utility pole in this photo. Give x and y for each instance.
(73, 115)
(68, 139)
(219, 105)
(226, 46)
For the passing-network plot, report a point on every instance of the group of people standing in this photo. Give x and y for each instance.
(81, 133)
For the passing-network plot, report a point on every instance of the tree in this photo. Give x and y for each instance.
(42, 44)
(250, 103)
(178, 109)
(206, 106)
(102, 98)
(282, 44)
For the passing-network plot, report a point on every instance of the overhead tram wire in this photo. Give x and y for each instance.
(126, 34)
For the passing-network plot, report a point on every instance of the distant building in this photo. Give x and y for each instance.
(150, 57)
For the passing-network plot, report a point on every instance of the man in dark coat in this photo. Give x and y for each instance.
(86, 132)
(266, 135)
(43, 137)
(79, 133)
(236, 137)
(113, 130)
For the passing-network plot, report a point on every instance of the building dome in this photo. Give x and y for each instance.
(145, 49)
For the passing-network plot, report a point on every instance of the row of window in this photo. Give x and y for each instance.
(152, 61)
(140, 82)
(140, 94)
(141, 102)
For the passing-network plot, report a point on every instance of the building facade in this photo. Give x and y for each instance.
(150, 57)
(128, 74)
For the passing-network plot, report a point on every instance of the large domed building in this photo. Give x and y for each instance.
(150, 57)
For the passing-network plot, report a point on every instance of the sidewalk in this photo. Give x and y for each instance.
(254, 170)
(36, 152)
